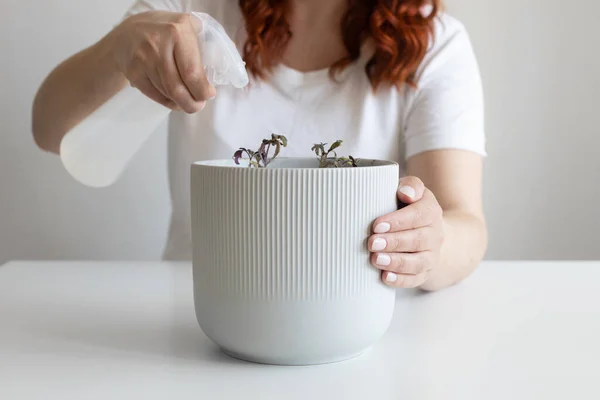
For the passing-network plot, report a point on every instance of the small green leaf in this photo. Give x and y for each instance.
(319, 149)
(277, 149)
(335, 145)
(279, 138)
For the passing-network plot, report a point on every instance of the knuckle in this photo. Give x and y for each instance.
(196, 106)
(419, 280)
(409, 282)
(406, 281)
(169, 104)
(151, 44)
(178, 25)
(419, 239)
(152, 37)
(192, 74)
(434, 206)
(172, 89)
(401, 264)
(430, 215)
(159, 86)
(204, 93)
(165, 67)
(169, 89)
(179, 92)
(413, 281)
(182, 19)
(139, 56)
(174, 29)
(191, 107)
(421, 263)
(417, 216)
(394, 243)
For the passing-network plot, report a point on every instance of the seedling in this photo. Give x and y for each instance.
(326, 161)
(261, 158)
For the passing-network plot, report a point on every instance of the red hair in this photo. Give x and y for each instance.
(398, 29)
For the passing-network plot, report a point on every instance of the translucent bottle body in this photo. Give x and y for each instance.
(97, 150)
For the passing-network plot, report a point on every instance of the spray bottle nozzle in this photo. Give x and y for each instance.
(222, 62)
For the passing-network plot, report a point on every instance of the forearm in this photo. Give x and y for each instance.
(464, 246)
(72, 91)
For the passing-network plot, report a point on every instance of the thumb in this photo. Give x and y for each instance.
(410, 189)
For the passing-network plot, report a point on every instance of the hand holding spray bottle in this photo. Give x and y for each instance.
(97, 150)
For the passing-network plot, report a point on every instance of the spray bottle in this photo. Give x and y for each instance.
(99, 148)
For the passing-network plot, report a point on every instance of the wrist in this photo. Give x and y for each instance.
(106, 50)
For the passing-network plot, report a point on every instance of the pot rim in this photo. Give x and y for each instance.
(224, 164)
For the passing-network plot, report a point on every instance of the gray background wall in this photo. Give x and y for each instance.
(539, 64)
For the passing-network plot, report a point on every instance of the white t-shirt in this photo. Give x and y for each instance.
(444, 112)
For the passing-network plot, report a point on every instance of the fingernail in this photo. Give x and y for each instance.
(384, 260)
(391, 277)
(211, 97)
(408, 191)
(202, 106)
(378, 244)
(382, 227)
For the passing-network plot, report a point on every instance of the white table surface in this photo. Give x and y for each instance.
(83, 330)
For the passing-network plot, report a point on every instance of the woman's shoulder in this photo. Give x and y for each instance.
(450, 48)
(448, 29)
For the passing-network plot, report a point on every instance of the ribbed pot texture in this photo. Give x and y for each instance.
(280, 263)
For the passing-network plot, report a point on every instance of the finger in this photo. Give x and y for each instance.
(404, 263)
(420, 239)
(422, 213)
(154, 77)
(403, 281)
(144, 85)
(188, 61)
(174, 86)
(410, 189)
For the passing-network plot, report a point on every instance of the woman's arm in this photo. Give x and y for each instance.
(439, 237)
(72, 91)
(455, 179)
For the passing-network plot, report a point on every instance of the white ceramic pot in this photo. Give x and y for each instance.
(280, 263)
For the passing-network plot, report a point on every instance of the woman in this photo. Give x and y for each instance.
(395, 79)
